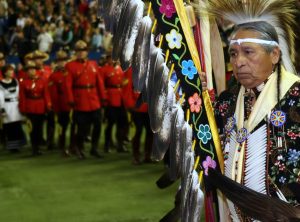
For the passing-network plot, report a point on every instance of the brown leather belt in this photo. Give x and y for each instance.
(114, 86)
(34, 97)
(89, 86)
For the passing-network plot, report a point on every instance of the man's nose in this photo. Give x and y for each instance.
(239, 60)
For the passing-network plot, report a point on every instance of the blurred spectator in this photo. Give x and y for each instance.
(67, 37)
(83, 7)
(28, 24)
(58, 39)
(30, 34)
(3, 8)
(96, 42)
(44, 40)
(21, 20)
(78, 29)
(22, 46)
(107, 41)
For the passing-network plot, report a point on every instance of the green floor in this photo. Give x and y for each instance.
(51, 188)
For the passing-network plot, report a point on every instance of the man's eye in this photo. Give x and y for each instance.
(248, 52)
(232, 54)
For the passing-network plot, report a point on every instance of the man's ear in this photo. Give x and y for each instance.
(275, 55)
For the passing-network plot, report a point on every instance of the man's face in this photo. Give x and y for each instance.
(31, 72)
(39, 62)
(81, 54)
(61, 63)
(2, 62)
(251, 63)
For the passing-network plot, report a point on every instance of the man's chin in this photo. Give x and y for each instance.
(247, 84)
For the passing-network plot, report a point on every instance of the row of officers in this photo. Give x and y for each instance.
(75, 92)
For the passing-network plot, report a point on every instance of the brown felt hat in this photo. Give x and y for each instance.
(81, 45)
(61, 56)
(30, 65)
(1, 56)
(37, 54)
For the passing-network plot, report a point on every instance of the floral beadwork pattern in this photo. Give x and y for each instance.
(170, 24)
(208, 163)
(189, 69)
(204, 133)
(284, 161)
(167, 8)
(195, 103)
(222, 108)
(293, 157)
(174, 39)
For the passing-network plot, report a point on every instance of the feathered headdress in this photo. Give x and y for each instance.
(279, 14)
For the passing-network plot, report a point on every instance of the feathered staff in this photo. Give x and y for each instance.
(152, 80)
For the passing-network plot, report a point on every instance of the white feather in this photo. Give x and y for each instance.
(233, 213)
(255, 160)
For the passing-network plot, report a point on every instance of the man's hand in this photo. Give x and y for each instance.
(202, 76)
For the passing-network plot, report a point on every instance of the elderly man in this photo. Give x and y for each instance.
(259, 119)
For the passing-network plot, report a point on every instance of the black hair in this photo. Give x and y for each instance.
(278, 79)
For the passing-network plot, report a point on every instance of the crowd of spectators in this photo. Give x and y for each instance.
(49, 25)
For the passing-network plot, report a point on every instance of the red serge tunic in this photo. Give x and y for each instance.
(114, 79)
(85, 88)
(34, 96)
(58, 91)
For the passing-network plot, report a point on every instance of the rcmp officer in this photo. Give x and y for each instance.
(44, 71)
(58, 93)
(115, 112)
(22, 74)
(39, 58)
(86, 93)
(34, 103)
